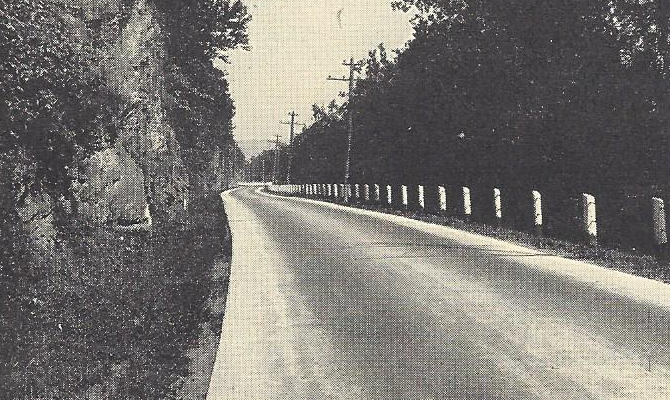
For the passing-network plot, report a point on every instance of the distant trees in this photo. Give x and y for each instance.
(262, 166)
(540, 93)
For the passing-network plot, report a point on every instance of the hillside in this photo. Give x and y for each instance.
(115, 133)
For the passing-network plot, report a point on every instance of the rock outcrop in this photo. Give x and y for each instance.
(145, 165)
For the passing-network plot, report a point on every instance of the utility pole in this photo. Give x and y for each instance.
(353, 68)
(275, 168)
(263, 169)
(290, 144)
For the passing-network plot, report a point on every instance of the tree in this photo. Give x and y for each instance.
(201, 30)
(201, 113)
(577, 100)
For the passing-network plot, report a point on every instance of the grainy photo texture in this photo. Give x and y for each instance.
(342, 199)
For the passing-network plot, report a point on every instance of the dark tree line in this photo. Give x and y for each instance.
(198, 33)
(562, 96)
(262, 166)
(201, 108)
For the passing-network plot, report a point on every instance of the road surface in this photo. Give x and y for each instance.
(330, 302)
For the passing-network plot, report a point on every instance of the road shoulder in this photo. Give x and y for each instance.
(203, 354)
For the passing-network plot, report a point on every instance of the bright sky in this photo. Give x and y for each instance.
(296, 44)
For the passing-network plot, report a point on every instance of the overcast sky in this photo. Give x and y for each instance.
(296, 44)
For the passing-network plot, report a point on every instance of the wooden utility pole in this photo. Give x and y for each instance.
(353, 68)
(290, 144)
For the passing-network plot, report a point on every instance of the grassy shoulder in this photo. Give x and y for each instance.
(113, 314)
(632, 262)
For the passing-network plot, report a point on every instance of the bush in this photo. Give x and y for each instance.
(118, 309)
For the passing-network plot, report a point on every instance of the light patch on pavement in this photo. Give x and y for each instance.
(548, 353)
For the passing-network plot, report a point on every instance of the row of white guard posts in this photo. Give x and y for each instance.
(372, 193)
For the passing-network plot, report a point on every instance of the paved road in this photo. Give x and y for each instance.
(328, 302)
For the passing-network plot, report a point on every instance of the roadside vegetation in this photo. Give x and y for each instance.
(115, 311)
(563, 97)
(89, 309)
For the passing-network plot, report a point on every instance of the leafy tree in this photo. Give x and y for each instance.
(320, 150)
(541, 92)
(200, 31)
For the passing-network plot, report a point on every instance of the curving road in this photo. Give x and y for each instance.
(330, 302)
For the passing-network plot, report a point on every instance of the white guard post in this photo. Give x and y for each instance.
(422, 200)
(467, 202)
(589, 217)
(404, 195)
(442, 193)
(497, 204)
(537, 212)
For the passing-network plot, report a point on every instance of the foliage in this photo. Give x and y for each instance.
(198, 32)
(53, 110)
(550, 94)
(320, 150)
(202, 30)
(262, 166)
(201, 115)
(129, 299)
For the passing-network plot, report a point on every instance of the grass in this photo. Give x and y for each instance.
(111, 313)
